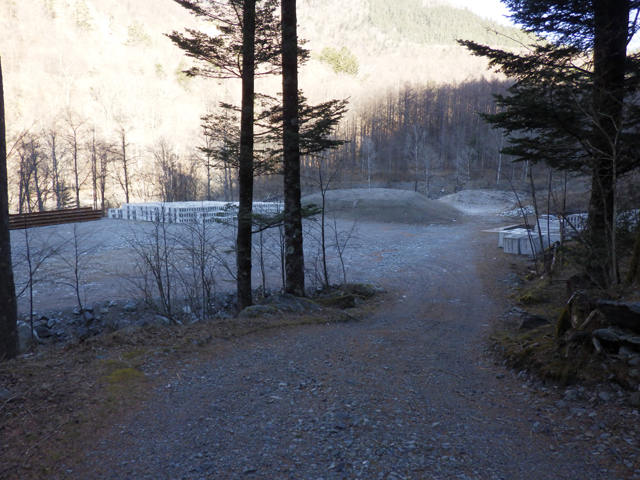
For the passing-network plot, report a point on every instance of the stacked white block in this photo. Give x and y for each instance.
(511, 244)
(509, 233)
(575, 222)
(547, 224)
(188, 212)
(515, 240)
(521, 241)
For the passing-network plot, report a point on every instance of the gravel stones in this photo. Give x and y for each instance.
(317, 401)
(386, 205)
(482, 201)
(130, 307)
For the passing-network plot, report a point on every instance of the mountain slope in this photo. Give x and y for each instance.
(435, 23)
(109, 62)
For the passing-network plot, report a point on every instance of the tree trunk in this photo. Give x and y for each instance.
(245, 175)
(76, 179)
(611, 19)
(633, 275)
(94, 171)
(125, 165)
(8, 307)
(294, 256)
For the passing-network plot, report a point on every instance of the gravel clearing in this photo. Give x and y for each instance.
(407, 394)
(385, 205)
(483, 202)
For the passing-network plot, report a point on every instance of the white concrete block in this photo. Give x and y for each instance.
(511, 244)
(508, 233)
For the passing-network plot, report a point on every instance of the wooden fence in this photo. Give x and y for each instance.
(56, 217)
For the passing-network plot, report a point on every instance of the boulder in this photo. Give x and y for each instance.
(337, 300)
(362, 289)
(83, 333)
(620, 341)
(256, 311)
(621, 314)
(42, 331)
(25, 337)
(531, 322)
(626, 351)
(607, 334)
(130, 307)
(284, 302)
(288, 303)
(157, 321)
(309, 305)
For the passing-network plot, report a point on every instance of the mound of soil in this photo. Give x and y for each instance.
(483, 201)
(385, 205)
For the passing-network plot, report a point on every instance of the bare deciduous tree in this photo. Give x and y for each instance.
(369, 155)
(416, 152)
(75, 257)
(74, 139)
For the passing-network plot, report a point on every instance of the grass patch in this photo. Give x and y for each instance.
(135, 353)
(124, 375)
(533, 297)
(537, 351)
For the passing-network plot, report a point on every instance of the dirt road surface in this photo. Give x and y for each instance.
(406, 394)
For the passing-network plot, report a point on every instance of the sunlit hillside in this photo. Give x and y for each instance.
(107, 66)
(105, 60)
(108, 59)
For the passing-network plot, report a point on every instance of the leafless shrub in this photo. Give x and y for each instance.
(154, 246)
(31, 260)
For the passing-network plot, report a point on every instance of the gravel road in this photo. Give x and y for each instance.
(407, 393)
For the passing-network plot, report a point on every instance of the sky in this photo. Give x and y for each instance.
(492, 9)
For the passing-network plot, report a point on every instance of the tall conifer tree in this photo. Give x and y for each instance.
(294, 255)
(569, 105)
(245, 171)
(248, 45)
(8, 307)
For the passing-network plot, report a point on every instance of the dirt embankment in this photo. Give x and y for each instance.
(385, 205)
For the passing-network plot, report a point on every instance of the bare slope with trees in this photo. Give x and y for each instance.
(100, 110)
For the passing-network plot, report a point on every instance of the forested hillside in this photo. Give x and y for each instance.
(99, 109)
(435, 23)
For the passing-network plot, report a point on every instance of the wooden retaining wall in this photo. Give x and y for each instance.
(56, 217)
